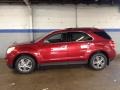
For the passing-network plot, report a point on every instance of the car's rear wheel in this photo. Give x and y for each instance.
(98, 61)
(25, 64)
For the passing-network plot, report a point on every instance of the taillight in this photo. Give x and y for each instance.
(112, 44)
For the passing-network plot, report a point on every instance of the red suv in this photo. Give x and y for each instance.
(70, 46)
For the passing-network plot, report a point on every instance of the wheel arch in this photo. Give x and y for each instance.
(21, 54)
(100, 51)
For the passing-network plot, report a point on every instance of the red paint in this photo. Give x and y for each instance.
(64, 51)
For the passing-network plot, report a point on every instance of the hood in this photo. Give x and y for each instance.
(22, 44)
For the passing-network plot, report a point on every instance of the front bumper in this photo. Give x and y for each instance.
(10, 60)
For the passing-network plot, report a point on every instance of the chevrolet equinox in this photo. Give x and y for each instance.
(70, 46)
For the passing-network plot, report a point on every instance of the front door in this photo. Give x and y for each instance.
(54, 48)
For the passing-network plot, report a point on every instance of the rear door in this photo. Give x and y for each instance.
(78, 45)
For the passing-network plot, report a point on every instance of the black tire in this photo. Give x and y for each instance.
(19, 64)
(98, 64)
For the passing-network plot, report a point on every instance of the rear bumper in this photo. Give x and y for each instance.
(112, 55)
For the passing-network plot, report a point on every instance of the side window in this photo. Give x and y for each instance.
(103, 34)
(61, 37)
(79, 36)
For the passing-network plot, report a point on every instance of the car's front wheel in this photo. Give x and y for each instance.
(25, 64)
(98, 61)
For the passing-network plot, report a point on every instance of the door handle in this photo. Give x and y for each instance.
(88, 43)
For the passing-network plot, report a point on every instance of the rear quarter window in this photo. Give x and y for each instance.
(103, 34)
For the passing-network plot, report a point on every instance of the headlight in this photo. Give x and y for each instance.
(10, 50)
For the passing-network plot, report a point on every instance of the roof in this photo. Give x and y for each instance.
(78, 29)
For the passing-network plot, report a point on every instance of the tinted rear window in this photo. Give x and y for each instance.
(103, 34)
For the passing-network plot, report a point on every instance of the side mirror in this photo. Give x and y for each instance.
(46, 41)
